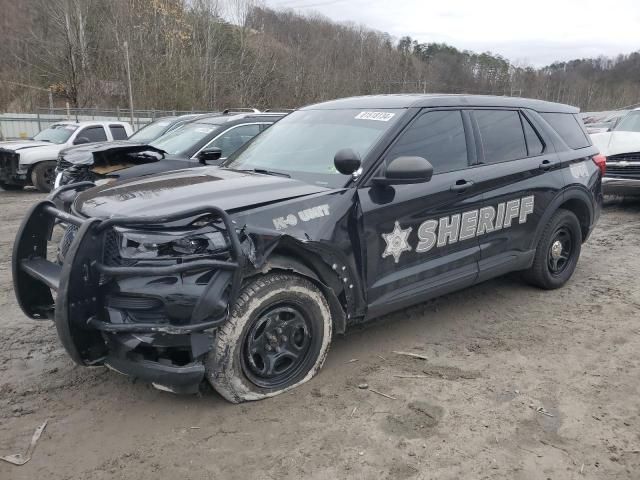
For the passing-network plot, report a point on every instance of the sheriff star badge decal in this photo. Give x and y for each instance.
(396, 242)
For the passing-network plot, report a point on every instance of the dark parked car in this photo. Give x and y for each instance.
(209, 139)
(339, 213)
(159, 127)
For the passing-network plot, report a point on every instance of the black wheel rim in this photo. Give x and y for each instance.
(277, 346)
(560, 251)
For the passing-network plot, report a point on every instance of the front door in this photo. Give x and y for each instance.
(419, 240)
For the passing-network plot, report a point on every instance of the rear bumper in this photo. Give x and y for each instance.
(155, 322)
(621, 186)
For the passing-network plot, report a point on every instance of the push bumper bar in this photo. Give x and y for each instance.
(80, 286)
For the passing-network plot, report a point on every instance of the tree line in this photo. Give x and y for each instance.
(214, 54)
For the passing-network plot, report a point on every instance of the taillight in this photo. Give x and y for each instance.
(601, 163)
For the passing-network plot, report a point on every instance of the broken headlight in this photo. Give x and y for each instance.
(137, 245)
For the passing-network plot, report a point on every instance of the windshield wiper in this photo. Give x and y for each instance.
(267, 172)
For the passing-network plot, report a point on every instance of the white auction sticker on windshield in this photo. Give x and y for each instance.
(378, 116)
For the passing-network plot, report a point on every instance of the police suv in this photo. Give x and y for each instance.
(339, 213)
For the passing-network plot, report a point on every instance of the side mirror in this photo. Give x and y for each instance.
(209, 155)
(347, 161)
(81, 141)
(406, 170)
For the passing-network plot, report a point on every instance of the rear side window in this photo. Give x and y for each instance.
(534, 144)
(93, 134)
(118, 132)
(437, 136)
(501, 134)
(568, 128)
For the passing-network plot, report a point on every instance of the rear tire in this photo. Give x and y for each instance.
(276, 338)
(43, 175)
(557, 252)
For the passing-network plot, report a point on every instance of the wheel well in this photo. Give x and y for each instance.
(287, 261)
(34, 165)
(580, 210)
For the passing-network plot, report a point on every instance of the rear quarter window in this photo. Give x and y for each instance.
(569, 128)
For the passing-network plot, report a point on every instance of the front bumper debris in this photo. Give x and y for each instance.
(154, 320)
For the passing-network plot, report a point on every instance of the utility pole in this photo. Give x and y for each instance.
(126, 54)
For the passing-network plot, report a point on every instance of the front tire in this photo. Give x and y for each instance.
(557, 252)
(276, 338)
(43, 176)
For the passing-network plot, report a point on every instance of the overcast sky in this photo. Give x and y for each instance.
(535, 32)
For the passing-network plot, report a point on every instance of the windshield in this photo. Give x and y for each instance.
(182, 140)
(56, 133)
(150, 132)
(629, 123)
(304, 143)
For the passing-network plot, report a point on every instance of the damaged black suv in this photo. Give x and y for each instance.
(339, 213)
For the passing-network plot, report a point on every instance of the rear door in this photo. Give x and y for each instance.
(416, 238)
(519, 174)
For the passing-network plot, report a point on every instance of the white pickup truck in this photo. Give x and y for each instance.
(33, 162)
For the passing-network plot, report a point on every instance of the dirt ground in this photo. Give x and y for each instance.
(518, 384)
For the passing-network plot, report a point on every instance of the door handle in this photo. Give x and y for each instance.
(461, 185)
(545, 165)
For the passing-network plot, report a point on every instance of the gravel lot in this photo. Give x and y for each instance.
(518, 384)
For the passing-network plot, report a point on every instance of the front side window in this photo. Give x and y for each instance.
(93, 134)
(501, 134)
(304, 143)
(56, 133)
(234, 138)
(437, 136)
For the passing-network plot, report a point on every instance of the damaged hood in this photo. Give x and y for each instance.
(84, 154)
(616, 142)
(191, 188)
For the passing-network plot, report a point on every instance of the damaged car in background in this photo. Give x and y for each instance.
(621, 146)
(207, 139)
(116, 155)
(33, 162)
(339, 213)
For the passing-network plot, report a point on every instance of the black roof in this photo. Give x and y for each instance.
(440, 100)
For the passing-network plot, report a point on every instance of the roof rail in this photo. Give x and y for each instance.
(279, 110)
(240, 110)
